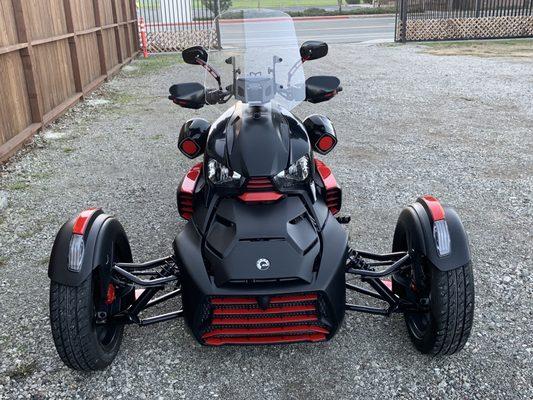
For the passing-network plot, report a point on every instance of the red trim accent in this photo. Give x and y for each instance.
(189, 147)
(266, 320)
(325, 173)
(270, 310)
(435, 208)
(82, 220)
(233, 300)
(189, 182)
(292, 299)
(325, 143)
(333, 191)
(252, 197)
(186, 194)
(111, 294)
(388, 283)
(314, 337)
(265, 331)
(259, 183)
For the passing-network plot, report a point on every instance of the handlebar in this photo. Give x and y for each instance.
(216, 96)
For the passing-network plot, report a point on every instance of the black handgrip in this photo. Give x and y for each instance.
(215, 96)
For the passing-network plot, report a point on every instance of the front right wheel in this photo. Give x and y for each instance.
(448, 297)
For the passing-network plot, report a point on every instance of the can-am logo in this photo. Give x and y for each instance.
(262, 264)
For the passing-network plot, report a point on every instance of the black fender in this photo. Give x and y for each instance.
(104, 240)
(414, 231)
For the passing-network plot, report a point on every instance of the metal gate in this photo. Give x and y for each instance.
(418, 20)
(174, 25)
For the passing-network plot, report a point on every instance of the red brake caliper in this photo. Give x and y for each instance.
(111, 295)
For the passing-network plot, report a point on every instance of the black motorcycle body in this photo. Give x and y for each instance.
(263, 256)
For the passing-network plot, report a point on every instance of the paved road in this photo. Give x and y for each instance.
(344, 30)
(349, 30)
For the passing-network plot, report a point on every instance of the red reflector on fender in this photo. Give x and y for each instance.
(82, 220)
(435, 208)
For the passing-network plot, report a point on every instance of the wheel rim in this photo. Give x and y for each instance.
(106, 334)
(418, 323)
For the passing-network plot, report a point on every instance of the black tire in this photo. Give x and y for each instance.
(446, 327)
(81, 344)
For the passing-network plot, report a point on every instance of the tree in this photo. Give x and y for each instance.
(223, 5)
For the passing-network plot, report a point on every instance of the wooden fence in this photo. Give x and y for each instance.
(52, 54)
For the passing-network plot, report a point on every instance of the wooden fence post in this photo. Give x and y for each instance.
(117, 31)
(73, 45)
(27, 56)
(126, 27)
(100, 37)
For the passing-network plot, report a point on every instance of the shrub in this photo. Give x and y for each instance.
(212, 5)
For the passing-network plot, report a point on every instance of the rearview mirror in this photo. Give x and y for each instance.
(321, 88)
(313, 50)
(188, 95)
(193, 54)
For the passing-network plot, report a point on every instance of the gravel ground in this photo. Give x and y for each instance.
(409, 123)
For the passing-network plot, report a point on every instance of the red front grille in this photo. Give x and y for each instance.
(286, 319)
(260, 184)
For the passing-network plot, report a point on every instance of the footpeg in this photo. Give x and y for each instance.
(344, 220)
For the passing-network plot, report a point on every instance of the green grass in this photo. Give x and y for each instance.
(23, 370)
(282, 3)
(154, 63)
(312, 12)
(18, 186)
(68, 150)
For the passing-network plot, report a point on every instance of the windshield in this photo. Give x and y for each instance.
(256, 53)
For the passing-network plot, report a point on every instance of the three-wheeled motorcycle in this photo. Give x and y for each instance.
(264, 255)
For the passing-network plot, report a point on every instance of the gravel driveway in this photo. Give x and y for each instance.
(409, 123)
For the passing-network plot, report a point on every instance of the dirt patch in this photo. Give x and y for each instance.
(515, 48)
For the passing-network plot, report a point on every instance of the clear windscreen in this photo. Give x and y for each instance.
(257, 55)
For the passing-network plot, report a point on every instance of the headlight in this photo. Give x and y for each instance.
(219, 174)
(296, 173)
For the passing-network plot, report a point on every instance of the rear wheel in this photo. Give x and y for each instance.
(445, 327)
(80, 342)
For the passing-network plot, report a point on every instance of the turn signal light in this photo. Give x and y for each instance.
(189, 148)
(326, 143)
(193, 137)
(321, 133)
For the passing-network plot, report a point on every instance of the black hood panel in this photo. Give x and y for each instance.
(257, 140)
